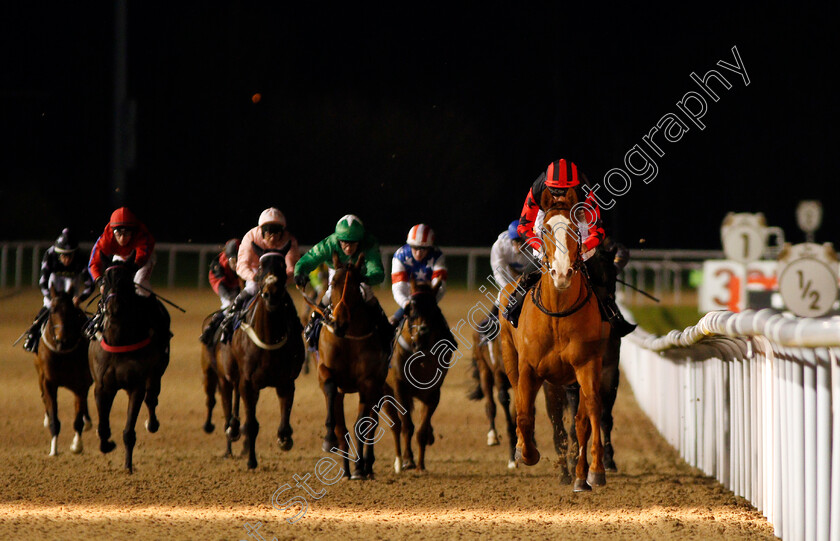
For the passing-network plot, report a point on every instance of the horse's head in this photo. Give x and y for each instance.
(423, 315)
(272, 278)
(344, 291)
(562, 247)
(65, 321)
(119, 291)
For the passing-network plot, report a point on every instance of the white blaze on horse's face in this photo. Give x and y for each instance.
(556, 233)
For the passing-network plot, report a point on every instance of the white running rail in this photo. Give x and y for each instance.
(752, 399)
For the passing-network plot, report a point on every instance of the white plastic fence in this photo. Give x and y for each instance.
(752, 399)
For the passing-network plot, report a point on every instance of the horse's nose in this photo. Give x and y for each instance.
(569, 273)
(553, 273)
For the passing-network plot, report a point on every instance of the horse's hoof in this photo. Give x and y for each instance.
(357, 475)
(512, 465)
(285, 443)
(233, 434)
(129, 469)
(328, 444)
(209, 427)
(152, 425)
(252, 463)
(76, 447)
(565, 479)
(408, 464)
(107, 446)
(528, 460)
(596, 479)
(492, 438)
(581, 486)
(611, 467)
(397, 465)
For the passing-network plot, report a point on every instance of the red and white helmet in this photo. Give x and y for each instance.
(272, 216)
(421, 236)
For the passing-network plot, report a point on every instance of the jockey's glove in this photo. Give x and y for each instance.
(301, 280)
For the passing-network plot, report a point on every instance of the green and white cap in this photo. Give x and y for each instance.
(350, 228)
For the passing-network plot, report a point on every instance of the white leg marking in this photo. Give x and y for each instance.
(76, 447)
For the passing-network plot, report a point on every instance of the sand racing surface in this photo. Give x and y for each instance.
(182, 488)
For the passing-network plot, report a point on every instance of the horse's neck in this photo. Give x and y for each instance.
(559, 300)
(269, 325)
(126, 330)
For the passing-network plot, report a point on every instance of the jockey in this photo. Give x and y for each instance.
(508, 263)
(61, 270)
(560, 186)
(421, 260)
(124, 237)
(225, 282)
(349, 241)
(269, 235)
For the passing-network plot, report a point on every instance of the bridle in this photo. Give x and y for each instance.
(52, 345)
(576, 266)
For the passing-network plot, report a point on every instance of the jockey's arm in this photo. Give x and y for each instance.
(400, 287)
(320, 253)
(247, 260)
(292, 257)
(439, 275)
(46, 271)
(144, 245)
(592, 229)
(374, 271)
(95, 266)
(526, 221)
(88, 282)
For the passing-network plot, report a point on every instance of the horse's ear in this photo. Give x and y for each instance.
(257, 250)
(336, 261)
(285, 249)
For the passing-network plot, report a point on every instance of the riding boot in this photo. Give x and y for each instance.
(514, 305)
(231, 316)
(383, 326)
(614, 316)
(313, 330)
(33, 335)
(209, 332)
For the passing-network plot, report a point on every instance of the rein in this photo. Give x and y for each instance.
(251, 333)
(347, 336)
(577, 306)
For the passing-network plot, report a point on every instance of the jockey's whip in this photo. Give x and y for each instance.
(167, 301)
(20, 337)
(645, 293)
(310, 302)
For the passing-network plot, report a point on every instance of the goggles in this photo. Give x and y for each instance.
(122, 230)
(558, 192)
(272, 229)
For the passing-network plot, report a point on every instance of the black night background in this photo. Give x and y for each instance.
(417, 113)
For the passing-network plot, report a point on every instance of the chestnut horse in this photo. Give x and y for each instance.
(560, 338)
(562, 403)
(350, 360)
(491, 374)
(417, 369)
(61, 361)
(266, 350)
(131, 353)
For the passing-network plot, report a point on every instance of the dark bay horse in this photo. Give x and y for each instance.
(350, 360)
(61, 361)
(561, 339)
(266, 350)
(417, 372)
(491, 374)
(131, 353)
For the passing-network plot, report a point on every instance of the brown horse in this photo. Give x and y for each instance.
(350, 360)
(266, 350)
(560, 338)
(131, 352)
(61, 361)
(562, 405)
(417, 372)
(491, 374)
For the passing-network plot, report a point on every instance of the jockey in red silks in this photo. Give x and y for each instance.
(126, 236)
(225, 283)
(269, 235)
(123, 235)
(561, 186)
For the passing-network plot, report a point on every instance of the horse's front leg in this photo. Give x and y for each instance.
(591, 400)
(210, 382)
(526, 393)
(510, 417)
(81, 421)
(486, 379)
(341, 435)
(426, 434)
(366, 434)
(104, 400)
(331, 438)
(404, 398)
(609, 391)
(49, 393)
(250, 395)
(135, 402)
(286, 395)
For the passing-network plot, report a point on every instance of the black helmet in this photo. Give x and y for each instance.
(66, 242)
(232, 248)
